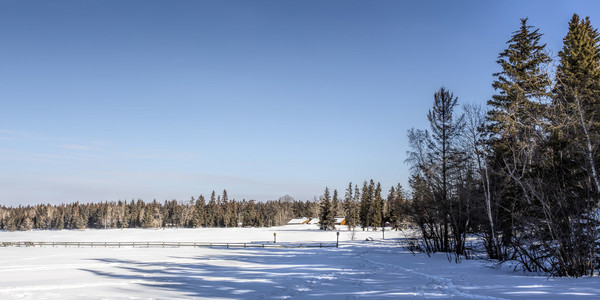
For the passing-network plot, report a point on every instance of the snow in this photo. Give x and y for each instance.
(298, 221)
(379, 269)
(314, 221)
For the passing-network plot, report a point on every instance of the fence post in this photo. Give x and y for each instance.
(337, 242)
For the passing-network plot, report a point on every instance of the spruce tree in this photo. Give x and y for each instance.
(521, 84)
(211, 211)
(513, 123)
(377, 207)
(335, 203)
(577, 93)
(326, 217)
(351, 207)
(569, 171)
(199, 217)
(397, 210)
(365, 206)
(578, 73)
(148, 217)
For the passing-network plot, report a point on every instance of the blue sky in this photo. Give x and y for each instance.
(120, 100)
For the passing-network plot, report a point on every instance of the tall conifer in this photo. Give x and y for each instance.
(326, 217)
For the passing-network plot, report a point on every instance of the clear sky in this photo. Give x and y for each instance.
(120, 100)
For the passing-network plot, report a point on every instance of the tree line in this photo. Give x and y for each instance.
(366, 209)
(522, 173)
(217, 211)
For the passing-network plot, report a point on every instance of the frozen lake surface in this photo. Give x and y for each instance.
(358, 269)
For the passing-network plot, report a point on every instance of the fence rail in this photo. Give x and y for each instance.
(165, 245)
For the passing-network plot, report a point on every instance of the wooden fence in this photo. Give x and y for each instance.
(165, 245)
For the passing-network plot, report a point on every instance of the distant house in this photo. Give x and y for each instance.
(314, 221)
(340, 221)
(298, 221)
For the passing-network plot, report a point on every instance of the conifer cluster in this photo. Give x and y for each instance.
(524, 174)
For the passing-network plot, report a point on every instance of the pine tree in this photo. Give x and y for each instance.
(445, 130)
(377, 208)
(513, 121)
(578, 74)
(569, 169)
(397, 206)
(335, 204)
(577, 93)
(199, 217)
(522, 83)
(211, 211)
(365, 206)
(351, 207)
(148, 217)
(326, 217)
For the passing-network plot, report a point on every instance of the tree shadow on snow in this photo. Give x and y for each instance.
(263, 273)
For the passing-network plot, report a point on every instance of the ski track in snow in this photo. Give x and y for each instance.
(444, 283)
(362, 269)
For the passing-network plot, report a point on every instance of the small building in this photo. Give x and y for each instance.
(340, 221)
(314, 221)
(298, 221)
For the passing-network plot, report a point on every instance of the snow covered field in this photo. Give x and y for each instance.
(358, 269)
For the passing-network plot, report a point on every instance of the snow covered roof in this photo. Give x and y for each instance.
(298, 221)
(339, 220)
(314, 221)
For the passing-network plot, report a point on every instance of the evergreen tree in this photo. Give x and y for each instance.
(445, 130)
(521, 84)
(513, 122)
(148, 219)
(365, 206)
(566, 189)
(211, 211)
(577, 94)
(397, 210)
(578, 74)
(199, 216)
(326, 217)
(351, 207)
(335, 204)
(376, 218)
